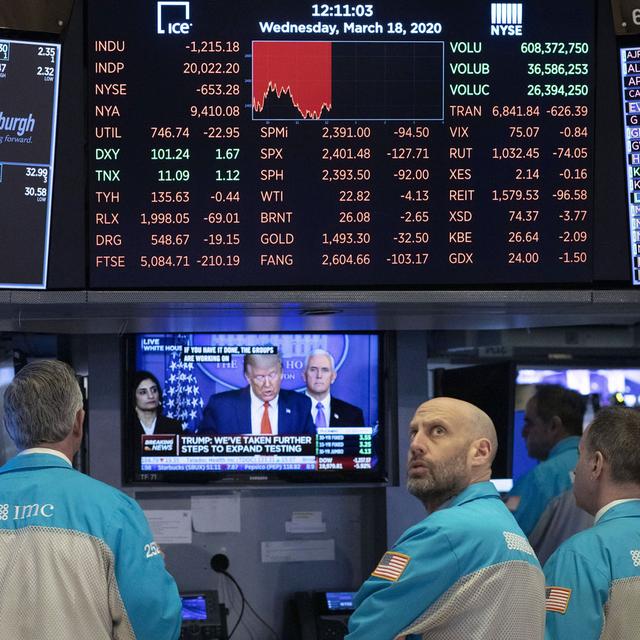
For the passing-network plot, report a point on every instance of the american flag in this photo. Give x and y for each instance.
(392, 566)
(181, 398)
(557, 599)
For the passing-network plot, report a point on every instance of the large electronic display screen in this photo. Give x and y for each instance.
(29, 75)
(297, 144)
(206, 407)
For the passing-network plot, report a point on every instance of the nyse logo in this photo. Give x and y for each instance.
(166, 17)
(506, 19)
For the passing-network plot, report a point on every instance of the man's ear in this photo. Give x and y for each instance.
(481, 451)
(555, 425)
(596, 465)
(78, 423)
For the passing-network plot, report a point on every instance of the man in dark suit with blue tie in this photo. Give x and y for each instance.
(327, 410)
(262, 407)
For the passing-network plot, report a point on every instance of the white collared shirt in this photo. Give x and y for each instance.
(612, 504)
(151, 428)
(257, 410)
(326, 407)
(52, 452)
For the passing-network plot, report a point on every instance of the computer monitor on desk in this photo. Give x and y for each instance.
(320, 615)
(203, 617)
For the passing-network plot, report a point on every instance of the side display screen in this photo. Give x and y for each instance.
(29, 73)
(291, 144)
(630, 75)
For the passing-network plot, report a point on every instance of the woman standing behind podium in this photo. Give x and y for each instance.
(147, 403)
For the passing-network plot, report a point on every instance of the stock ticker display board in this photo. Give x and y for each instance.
(29, 75)
(291, 144)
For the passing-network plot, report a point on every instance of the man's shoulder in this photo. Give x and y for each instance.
(343, 405)
(558, 468)
(588, 549)
(479, 534)
(83, 491)
(487, 513)
(289, 396)
(230, 396)
(548, 472)
(478, 515)
(94, 489)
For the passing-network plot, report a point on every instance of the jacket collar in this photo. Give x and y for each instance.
(626, 509)
(472, 492)
(35, 461)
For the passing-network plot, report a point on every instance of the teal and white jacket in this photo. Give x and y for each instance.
(77, 559)
(544, 482)
(465, 571)
(593, 580)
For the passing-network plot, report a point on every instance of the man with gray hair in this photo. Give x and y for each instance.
(77, 557)
(327, 410)
(593, 579)
(542, 501)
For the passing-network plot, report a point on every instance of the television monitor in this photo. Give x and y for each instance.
(213, 386)
(601, 385)
(29, 79)
(489, 387)
(503, 389)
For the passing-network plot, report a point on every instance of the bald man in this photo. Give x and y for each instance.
(466, 570)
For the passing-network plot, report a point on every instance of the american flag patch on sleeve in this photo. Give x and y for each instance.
(557, 599)
(392, 566)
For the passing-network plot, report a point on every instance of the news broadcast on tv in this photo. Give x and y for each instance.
(222, 404)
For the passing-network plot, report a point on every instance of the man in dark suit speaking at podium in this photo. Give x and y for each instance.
(327, 411)
(262, 407)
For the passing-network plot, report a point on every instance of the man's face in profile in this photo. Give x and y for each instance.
(319, 375)
(265, 377)
(536, 432)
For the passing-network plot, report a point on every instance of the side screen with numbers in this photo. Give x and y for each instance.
(28, 105)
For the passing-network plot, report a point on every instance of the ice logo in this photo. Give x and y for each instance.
(166, 26)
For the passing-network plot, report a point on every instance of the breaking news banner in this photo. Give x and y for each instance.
(236, 445)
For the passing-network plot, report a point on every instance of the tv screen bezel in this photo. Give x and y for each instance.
(381, 476)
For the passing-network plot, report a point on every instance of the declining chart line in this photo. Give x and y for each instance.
(300, 69)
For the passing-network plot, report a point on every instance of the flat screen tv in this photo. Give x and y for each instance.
(601, 384)
(503, 389)
(489, 387)
(244, 407)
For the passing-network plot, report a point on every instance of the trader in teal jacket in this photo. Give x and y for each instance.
(593, 579)
(77, 557)
(466, 570)
(552, 430)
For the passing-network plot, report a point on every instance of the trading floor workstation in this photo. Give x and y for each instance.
(391, 201)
